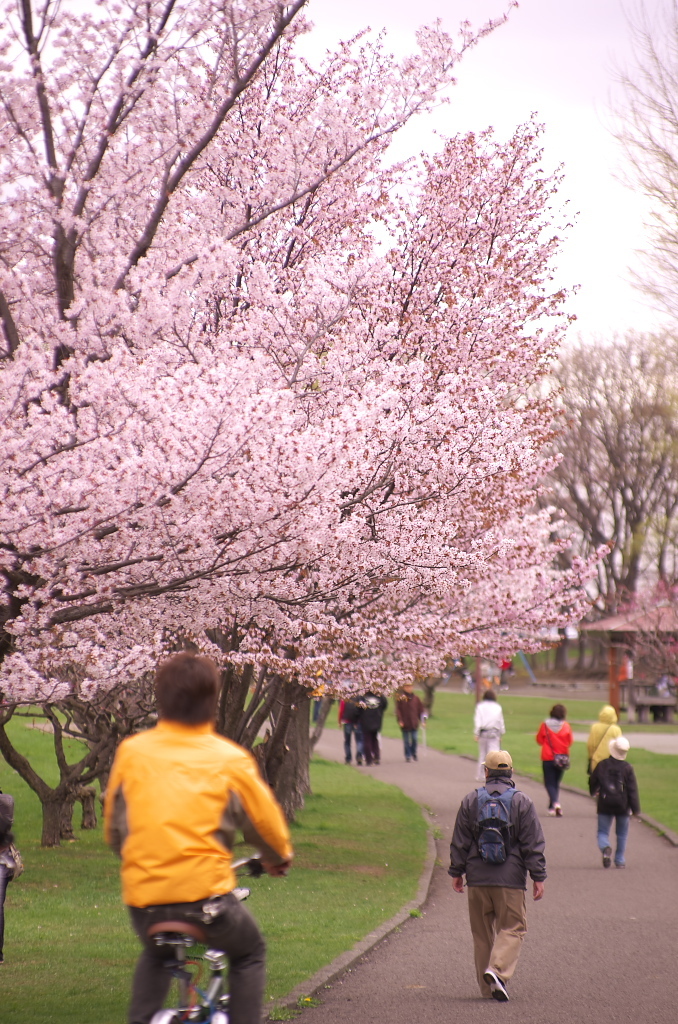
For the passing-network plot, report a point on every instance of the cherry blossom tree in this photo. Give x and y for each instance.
(264, 392)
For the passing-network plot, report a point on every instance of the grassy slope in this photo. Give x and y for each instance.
(69, 949)
(451, 730)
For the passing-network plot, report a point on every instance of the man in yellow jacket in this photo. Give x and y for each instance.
(177, 794)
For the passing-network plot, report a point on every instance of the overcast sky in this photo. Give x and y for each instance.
(558, 58)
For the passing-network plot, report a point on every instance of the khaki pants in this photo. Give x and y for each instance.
(498, 919)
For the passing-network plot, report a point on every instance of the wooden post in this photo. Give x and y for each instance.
(614, 678)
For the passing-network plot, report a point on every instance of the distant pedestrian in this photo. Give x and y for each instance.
(410, 712)
(555, 737)
(7, 864)
(496, 887)
(349, 720)
(506, 668)
(602, 731)
(371, 707)
(613, 782)
(488, 729)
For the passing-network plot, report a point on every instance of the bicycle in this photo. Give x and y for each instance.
(208, 1005)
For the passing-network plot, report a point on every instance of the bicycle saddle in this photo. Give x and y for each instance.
(176, 933)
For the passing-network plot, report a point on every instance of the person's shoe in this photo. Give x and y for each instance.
(552, 812)
(358, 760)
(377, 762)
(497, 986)
(347, 762)
(620, 865)
(414, 757)
(607, 856)
(559, 810)
(407, 760)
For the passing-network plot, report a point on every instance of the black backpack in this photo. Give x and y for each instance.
(613, 795)
(493, 825)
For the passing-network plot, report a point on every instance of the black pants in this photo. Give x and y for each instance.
(235, 932)
(552, 777)
(4, 881)
(371, 746)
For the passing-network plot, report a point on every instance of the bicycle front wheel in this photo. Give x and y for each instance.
(166, 1017)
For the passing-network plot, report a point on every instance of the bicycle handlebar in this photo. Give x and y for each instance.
(253, 864)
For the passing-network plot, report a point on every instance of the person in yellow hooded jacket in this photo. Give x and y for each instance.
(176, 796)
(602, 731)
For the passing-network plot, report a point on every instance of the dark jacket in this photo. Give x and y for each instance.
(371, 707)
(409, 710)
(526, 848)
(348, 711)
(6, 819)
(623, 777)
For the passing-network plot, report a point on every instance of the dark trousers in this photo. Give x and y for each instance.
(4, 882)
(235, 932)
(552, 777)
(371, 746)
(410, 743)
(353, 729)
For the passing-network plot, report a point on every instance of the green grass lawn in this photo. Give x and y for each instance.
(450, 729)
(69, 950)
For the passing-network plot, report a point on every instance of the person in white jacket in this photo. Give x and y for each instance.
(488, 729)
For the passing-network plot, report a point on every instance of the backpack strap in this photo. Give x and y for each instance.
(600, 741)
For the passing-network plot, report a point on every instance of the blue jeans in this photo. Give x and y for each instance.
(604, 828)
(410, 742)
(353, 729)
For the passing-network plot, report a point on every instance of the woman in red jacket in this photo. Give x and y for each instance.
(555, 737)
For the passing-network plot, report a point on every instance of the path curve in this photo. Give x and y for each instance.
(600, 946)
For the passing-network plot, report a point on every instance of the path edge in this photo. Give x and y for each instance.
(344, 961)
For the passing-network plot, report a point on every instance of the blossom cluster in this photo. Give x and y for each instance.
(264, 391)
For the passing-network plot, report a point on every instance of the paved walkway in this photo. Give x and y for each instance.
(601, 946)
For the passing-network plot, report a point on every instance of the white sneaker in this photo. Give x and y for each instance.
(497, 986)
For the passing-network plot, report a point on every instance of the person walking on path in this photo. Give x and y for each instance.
(371, 708)
(496, 890)
(349, 720)
(602, 731)
(175, 799)
(488, 728)
(613, 782)
(410, 711)
(555, 737)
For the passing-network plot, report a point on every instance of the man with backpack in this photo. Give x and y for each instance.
(613, 782)
(497, 840)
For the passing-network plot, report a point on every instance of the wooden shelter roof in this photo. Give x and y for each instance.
(662, 619)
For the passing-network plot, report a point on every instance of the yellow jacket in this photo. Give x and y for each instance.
(176, 796)
(602, 731)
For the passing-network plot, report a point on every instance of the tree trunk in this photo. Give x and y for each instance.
(560, 661)
(67, 805)
(597, 660)
(88, 797)
(52, 819)
(293, 782)
(581, 652)
(428, 685)
(325, 707)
